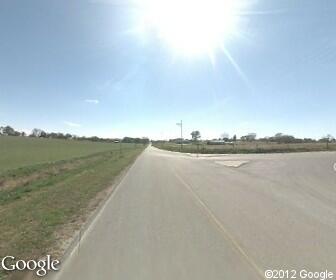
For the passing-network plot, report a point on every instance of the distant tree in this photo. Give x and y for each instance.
(234, 138)
(60, 135)
(127, 140)
(327, 139)
(36, 132)
(309, 140)
(249, 137)
(283, 138)
(94, 139)
(225, 136)
(137, 140)
(252, 136)
(195, 135)
(330, 138)
(144, 140)
(8, 130)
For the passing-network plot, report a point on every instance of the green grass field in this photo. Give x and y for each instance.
(49, 187)
(22, 151)
(247, 147)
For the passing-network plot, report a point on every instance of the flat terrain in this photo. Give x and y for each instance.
(46, 200)
(177, 216)
(24, 151)
(246, 147)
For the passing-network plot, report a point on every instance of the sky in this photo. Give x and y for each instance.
(82, 67)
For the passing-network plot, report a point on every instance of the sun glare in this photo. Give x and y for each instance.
(191, 27)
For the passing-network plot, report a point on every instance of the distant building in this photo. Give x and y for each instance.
(219, 142)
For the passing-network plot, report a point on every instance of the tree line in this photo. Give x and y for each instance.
(280, 138)
(39, 133)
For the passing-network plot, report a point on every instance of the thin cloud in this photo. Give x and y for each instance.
(72, 124)
(93, 101)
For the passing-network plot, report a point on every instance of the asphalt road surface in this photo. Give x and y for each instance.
(231, 217)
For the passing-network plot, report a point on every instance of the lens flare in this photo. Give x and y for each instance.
(191, 27)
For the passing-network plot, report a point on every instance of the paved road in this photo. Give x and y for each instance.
(180, 217)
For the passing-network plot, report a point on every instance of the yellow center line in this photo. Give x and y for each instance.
(220, 226)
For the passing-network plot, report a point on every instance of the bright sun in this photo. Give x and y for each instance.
(191, 27)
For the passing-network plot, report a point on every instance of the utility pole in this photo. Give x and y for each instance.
(180, 124)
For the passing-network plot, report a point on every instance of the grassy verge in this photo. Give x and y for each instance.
(38, 202)
(245, 148)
